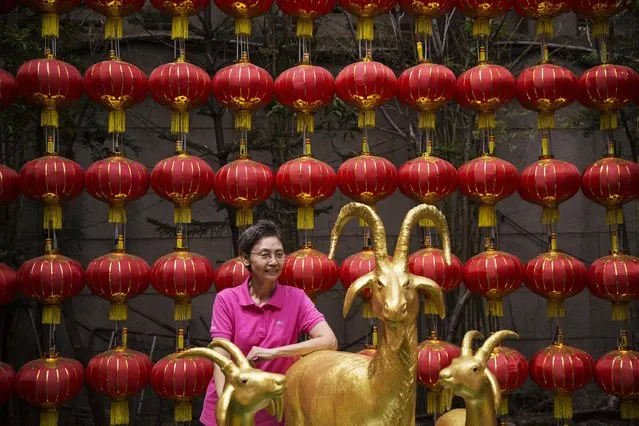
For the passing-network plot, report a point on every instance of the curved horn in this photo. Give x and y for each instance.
(433, 290)
(414, 215)
(237, 355)
(486, 349)
(467, 343)
(225, 364)
(354, 289)
(367, 213)
(223, 406)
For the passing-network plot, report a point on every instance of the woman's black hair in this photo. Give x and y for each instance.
(261, 229)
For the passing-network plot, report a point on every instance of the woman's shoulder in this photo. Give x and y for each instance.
(292, 292)
(230, 293)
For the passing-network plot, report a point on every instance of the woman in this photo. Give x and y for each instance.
(264, 318)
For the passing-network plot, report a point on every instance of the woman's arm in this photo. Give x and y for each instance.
(218, 377)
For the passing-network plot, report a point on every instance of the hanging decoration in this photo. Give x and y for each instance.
(50, 10)
(366, 11)
(510, 368)
(181, 11)
(543, 11)
(482, 12)
(8, 285)
(7, 382)
(8, 89)
(9, 184)
(600, 12)
(306, 12)
(243, 11)
(114, 12)
(310, 270)
(424, 13)
(230, 274)
(433, 355)
(355, 266)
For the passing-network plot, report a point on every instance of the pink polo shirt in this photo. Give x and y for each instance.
(277, 323)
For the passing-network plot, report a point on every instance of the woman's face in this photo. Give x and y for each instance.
(266, 259)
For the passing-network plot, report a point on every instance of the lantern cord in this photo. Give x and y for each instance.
(51, 339)
(542, 44)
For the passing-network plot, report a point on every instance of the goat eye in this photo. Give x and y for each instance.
(405, 285)
(475, 369)
(244, 381)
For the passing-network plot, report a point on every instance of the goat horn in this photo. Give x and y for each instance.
(414, 215)
(354, 289)
(467, 343)
(237, 355)
(225, 364)
(433, 290)
(367, 213)
(486, 349)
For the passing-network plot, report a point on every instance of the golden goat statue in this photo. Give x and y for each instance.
(468, 377)
(246, 391)
(339, 388)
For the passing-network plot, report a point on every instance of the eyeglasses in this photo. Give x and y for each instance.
(266, 255)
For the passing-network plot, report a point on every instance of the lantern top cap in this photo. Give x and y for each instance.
(623, 341)
(559, 338)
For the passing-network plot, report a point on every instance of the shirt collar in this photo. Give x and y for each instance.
(277, 300)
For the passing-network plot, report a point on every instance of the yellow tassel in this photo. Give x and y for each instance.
(49, 117)
(429, 307)
(433, 402)
(366, 118)
(502, 410)
(117, 214)
(304, 27)
(119, 412)
(367, 309)
(563, 406)
(118, 311)
(426, 223)
(50, 25)
(629, 409)
(179, 122)
(49, 417)
(180, 28)
(608, 120)
(555, 309)
(305, 217)
(51, 314)
(243, 120)
(550, 215)
(620, 311)
(243, 26)
(423, 25)
(487, 216)
(182, 310)
(487, 120)
(546, 120)
(305, 122)
(365, 29)
(544, 27)
(244, 217)
(601, 27)
(52, 216)
(117, 121)
(495, 308)
(426, 120)
(614, 215)
(182, 214)
(113, 27)
(481, 27)
(183, 412)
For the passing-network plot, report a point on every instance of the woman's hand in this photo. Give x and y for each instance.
(258, 354)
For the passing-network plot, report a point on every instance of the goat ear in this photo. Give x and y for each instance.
(223, 406)
(433, 290)
(358, 285)
(494, 388)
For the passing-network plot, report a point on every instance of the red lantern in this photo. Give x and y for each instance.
(424, 12)
(182, 275)
(482, 12)
(433, 355)
(118, 277)
(485, 88)
(545, 88)
(427, 179)
(355, 266)
(118, 86)
(305, 88)
(8, 286)
(306, 11)
(487, 180)
(600, 11)
(494, 274)
(180, 86)
(243, 11)
(7, 382)
(243, 87)
(9, 184)
(607, 88)
(561, 369)
(230, 274)
(52, 179)
(180, 10)
(50, 9)
(429, 262)
(180, 380)
(310, 270)
(548, 183)
(611, 182)
(51, 279)
(182, 180)
(114, 12)
(51, 84)
(366, 10)
(8, 89)
(366, 85)
(49, 382)
(617, 373)
(543, 11)
(427, 88)
(244, 184)
(119, 373)
(510, 368)
(7, 6)
(305, 181)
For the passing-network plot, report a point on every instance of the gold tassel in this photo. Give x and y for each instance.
(614, 215)
(555, 309)
(487, 216)
(119, 412)
(366, 118)
(244, 217)
(51, 314)
(118, 311)
(546, 120)
(550, 215)
(502, 410)
(304, 27)
(50, 25)
(117, 214)
(629, 409)
(49, 117)
(117, 121)
(601, 27)
(182, 310)
(620, 311)
(365, 28)
(433, 402)
(429, 307)
(49, 417)
(423, 25)
(183, 412)
(305, 217)
(182, 214)
(544, 27)
(243, 120)
(243, 26)
(52, 216)
(487, 120)
(179, 122)
(113, 28)
(608, 120)
(481, 27)
(426, 223)
(367, 309)
(305, 122)
(180, 28)
(563, 406)
(426, 120)
(495, 308)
